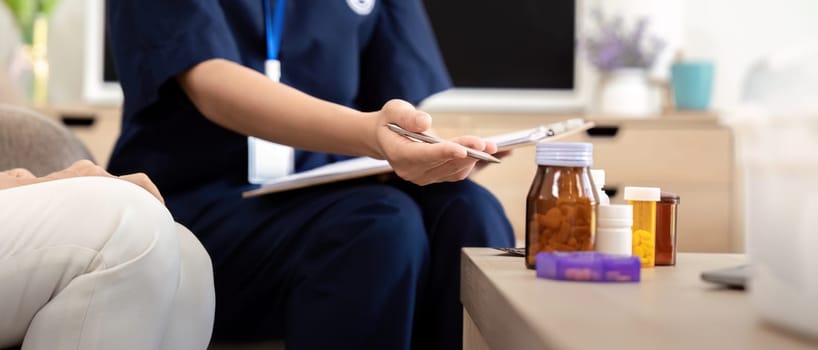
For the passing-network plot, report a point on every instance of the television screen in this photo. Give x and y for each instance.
(502, 55)
(108, 71)
(527, 44)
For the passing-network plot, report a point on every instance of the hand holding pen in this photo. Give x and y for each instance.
(421, 137)
(421, 162)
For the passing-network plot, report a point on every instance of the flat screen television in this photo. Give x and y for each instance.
(100, 84)
(509, 55)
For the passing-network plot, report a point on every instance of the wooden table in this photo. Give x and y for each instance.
(507, 307)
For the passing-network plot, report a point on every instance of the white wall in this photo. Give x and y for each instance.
(733, 33)
(8, 40)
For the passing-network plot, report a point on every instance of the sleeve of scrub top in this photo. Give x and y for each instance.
(154, 40)
(402, 60)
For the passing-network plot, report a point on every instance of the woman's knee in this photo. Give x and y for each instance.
(389, 221)
(116, 218)
(476, 216)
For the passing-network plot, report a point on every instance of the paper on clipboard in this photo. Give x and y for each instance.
(338, 171)
(365, 166)
(551, 132)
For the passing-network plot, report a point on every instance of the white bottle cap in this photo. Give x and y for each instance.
(599, 177)
(653, 194)
(615, 215)
(571, 154)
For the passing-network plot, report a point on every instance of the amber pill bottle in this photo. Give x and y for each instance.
(561, 203)
(643, 200)
(666, 213)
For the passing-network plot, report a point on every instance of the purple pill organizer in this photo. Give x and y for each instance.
(588, 266)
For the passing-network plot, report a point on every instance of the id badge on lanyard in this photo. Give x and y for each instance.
(267, 160)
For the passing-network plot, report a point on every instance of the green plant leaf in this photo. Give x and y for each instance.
(26, 11)
(47, 6)
(22, 10)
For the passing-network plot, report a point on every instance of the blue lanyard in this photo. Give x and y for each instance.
(274, 25)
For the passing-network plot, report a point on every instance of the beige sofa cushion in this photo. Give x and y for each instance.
(35, 142)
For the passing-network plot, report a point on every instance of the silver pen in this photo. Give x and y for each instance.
(421, 137)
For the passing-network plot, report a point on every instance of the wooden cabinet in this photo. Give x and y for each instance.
(688, 154)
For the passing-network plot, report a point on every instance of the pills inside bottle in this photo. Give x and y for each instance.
(561, 203)
(643, 200)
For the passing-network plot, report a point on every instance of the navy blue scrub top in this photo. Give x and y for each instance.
(327, 50)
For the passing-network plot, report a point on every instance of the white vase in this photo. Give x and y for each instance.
(626, 92)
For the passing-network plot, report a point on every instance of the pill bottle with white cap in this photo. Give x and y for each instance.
(561, 203)
(613, 229)
(643, 200)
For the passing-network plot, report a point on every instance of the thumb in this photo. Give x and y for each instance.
(407, 116)
(142, 180)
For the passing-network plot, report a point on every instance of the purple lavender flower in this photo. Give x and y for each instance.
(613, 46)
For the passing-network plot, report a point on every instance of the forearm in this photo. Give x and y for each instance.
(249, 103)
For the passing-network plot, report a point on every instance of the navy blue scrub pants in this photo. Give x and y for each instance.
(358, 265)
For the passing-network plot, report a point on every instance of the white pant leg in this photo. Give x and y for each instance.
(91, 263)
(191, 319)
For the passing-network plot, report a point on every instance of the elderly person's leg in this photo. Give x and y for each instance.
(191, 318)
(94, 263)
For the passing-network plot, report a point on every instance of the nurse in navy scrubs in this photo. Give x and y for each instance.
(356, 265)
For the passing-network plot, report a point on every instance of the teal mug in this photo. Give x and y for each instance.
(692, 84)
